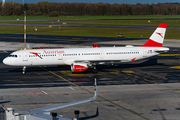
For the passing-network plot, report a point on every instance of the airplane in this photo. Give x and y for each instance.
(80, 59)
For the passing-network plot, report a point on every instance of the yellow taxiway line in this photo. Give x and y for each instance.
(169, 55)
(175, 67)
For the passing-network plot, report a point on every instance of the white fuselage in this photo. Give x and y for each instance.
(68, 56)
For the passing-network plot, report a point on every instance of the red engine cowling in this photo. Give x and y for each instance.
(79, 67)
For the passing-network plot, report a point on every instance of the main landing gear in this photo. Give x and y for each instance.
(94, 70)
(24, 70)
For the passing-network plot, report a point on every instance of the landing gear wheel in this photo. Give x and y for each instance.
(24, 70)
(94, 70)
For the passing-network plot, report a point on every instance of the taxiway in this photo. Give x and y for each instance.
(147, 89)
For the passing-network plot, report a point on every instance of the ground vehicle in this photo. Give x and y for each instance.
(120, 35)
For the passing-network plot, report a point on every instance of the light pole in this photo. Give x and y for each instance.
(3, 2)
(24, 25)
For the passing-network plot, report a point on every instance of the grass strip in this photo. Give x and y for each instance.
(87, 31)
(90, 17)
(155, 23)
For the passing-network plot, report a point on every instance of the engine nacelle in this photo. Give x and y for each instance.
(78, 67)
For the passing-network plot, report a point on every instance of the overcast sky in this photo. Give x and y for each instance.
(103, 1)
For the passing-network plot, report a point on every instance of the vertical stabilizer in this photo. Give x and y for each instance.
(157, 38)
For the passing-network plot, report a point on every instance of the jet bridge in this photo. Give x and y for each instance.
(10, 114)
(2, 113)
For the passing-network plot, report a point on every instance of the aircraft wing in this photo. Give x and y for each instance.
(55, 107)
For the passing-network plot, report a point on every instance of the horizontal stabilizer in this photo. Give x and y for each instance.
(160, 50)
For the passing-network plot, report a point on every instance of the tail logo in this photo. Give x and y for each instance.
(159, 34)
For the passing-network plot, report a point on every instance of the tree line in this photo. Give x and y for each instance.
(91, 9)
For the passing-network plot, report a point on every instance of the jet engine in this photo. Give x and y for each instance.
(78, 67)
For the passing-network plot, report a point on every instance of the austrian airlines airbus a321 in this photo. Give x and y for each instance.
(80, 59)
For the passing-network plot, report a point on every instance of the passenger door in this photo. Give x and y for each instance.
(102, 54)
(144, 52)
(24, 56)
(60, 56)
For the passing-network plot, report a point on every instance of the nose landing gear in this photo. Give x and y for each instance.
(24, 70)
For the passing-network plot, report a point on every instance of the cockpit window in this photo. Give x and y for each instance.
(13, 56)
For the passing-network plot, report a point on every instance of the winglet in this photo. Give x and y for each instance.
(95, 89)
(55, 107)
(157, 38)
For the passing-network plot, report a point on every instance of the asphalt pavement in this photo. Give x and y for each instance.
(147, 89)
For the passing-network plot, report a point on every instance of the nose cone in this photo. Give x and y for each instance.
(5, 61)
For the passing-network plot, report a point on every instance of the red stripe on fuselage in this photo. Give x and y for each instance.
(151, 43)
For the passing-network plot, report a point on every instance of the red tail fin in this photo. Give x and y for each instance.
(157, 38)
